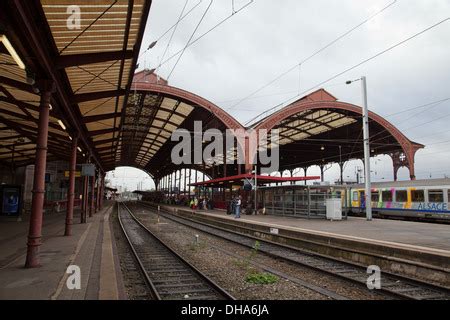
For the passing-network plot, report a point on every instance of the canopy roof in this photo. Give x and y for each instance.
(92, 68)
(123, 120)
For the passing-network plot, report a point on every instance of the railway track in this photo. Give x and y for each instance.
(394, 286)
(168, 275)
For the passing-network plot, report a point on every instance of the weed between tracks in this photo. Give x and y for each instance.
(261, 278)
(253, 275)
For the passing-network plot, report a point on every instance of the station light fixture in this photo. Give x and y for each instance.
(79, 149)
(322, 148)
(12, 51)
(31, 77)
(70, 138)
(61, 124)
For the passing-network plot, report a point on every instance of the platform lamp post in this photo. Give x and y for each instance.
(368, 195)
(256, 190)
(341, 167)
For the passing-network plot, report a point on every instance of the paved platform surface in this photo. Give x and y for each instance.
(91, 248)
(414, 234)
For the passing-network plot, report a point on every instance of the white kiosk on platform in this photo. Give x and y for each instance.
(334, 209)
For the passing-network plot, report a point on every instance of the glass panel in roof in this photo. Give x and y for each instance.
(176, 119)
(157, 124)
(184, 109)
(169, 104)
(162, 114)
(318, 130)
(169, 127)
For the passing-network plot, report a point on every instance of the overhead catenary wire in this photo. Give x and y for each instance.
(427, 106)
(433, 134)
(207, 32)
(355, 66)
(173, 26)
(190, 38)
(179, 20)
(409, 128)
(415, 108)
(300, 63)
(173, 33)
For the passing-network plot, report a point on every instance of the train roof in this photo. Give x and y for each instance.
(408, 183)
(380, 185)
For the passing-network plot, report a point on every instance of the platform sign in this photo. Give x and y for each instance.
(88, 169)
(248, 184)
(77, 174)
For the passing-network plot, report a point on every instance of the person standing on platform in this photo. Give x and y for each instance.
(195, 203)
(238, 208)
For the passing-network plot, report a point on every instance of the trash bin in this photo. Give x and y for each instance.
(334, 209)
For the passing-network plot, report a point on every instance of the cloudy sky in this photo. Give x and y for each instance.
(267, 38)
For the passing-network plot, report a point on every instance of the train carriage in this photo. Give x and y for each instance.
(424, 199)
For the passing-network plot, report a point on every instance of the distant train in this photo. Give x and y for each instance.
(420, 199)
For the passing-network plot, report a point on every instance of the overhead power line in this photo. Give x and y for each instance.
(207, 32)
(409, 128)
(173, 32)
(173, 26)
(356, 66)
(190, 38)
(299, 64)
(427, 106)
(418, 107)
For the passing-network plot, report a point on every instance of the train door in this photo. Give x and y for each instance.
(354, 203)
(362, 200)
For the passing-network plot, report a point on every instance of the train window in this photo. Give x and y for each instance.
(355, 196)
(401, 196)
(435, 196)
(375, 196)
(418, 196)
(387, 196)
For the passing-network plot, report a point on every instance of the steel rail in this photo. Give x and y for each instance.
(202, 280)
(407, 285)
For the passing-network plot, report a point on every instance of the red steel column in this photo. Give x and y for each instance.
(185, 181)
(102, 191)
(85, 198)
(71, 192)
(37, 202)
(91, 209)
(97, 204)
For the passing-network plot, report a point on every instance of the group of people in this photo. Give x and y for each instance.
(235, 205)
(201, 204)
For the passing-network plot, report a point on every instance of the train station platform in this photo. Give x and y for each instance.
(91, 248)
(423, 236)
(415, 248)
